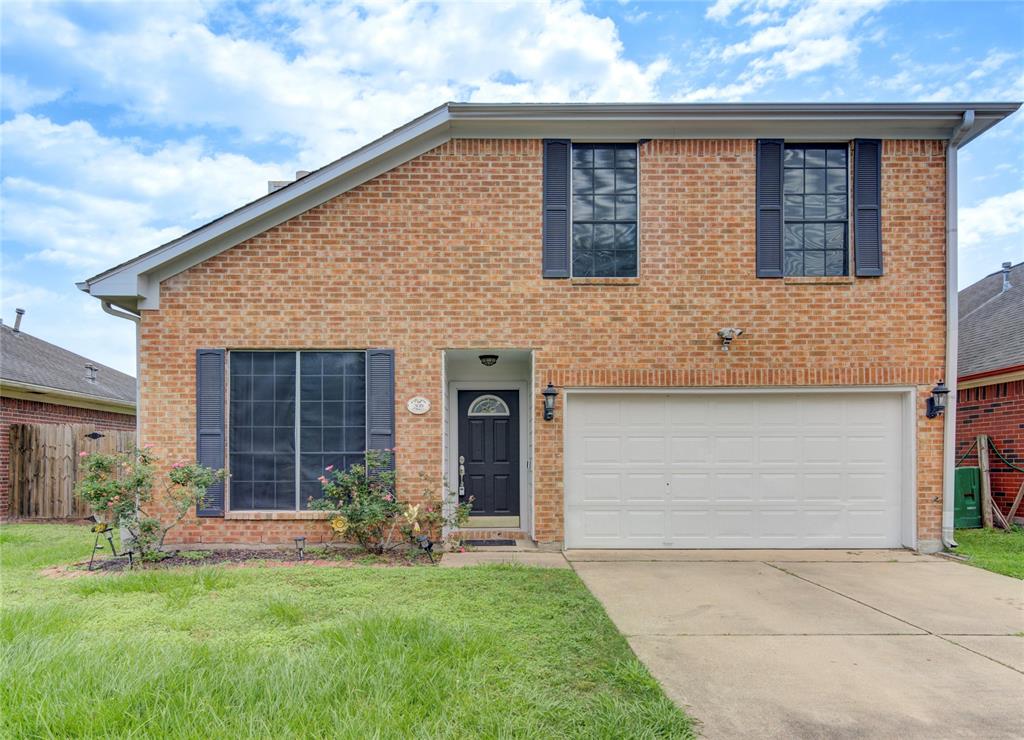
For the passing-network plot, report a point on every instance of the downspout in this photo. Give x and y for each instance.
(952, 329)
(126, 536)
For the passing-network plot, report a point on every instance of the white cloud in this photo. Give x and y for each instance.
(16, 94)
(70, 319)
(91, 201)
(344, 74)
(791, 39)
(994, 218)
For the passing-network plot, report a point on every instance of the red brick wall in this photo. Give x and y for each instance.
(444, 252)
(998, 411)
(18, 411)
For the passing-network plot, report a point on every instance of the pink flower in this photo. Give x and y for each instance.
(389, 497)
(329, 468)
(83, 453)
(322, 480)
(179, 464)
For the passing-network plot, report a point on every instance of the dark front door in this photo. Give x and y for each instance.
(489, 451)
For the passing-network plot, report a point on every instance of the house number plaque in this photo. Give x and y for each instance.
(418, 405)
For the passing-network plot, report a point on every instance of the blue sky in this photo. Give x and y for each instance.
(126, 124)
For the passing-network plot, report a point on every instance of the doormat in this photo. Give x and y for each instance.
(490, 543)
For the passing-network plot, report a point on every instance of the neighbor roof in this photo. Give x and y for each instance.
(29, 363)
(135, 284)
(992, 324)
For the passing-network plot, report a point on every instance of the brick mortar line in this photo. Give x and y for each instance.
(899, 619)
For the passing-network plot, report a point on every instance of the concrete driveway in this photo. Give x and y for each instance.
(822, 644)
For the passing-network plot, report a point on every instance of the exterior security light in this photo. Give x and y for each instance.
(488, 360)
(549, 402)
(937, 401)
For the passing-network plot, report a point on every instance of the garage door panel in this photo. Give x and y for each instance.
(645, 450)
(643, 488)
(689, 450)
(735, 450)
(823, 450)
(691, 487)
(599, 488)
(734, 488)
(602, 450)
(780, 488)
(779, 450)
(744, 470)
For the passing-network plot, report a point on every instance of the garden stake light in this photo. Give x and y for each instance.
(300, 547)
(426, 545)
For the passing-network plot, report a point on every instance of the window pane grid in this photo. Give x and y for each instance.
(815, 210)
(269, 452)
(604, 210)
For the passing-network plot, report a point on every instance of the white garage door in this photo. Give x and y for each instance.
(771, 470)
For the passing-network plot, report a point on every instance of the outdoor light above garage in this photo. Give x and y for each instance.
(937, 402)
(488, 360)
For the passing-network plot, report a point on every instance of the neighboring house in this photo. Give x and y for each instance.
(600, 249)
(41, 383)
(990, 374)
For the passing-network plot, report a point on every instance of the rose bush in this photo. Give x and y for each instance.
(119, 488)
(364, 506)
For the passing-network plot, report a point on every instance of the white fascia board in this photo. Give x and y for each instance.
(135, 284)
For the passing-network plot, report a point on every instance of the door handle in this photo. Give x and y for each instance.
(462, 475)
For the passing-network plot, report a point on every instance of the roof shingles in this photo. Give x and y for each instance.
(30, 360)
(992, 324)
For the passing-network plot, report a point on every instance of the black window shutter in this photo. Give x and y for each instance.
(769, 207)
(210, 424)
(867, 207)
(380, 399)
(555, 237)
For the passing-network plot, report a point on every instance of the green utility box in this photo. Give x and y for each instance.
(967, 501)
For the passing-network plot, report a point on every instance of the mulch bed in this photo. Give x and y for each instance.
(240, 558)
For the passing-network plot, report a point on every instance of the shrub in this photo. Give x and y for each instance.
(119, 488)
(365, 507)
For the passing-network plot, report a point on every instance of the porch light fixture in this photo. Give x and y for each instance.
(549, 402)
(937, 401)
(300, 547)
(488, 360)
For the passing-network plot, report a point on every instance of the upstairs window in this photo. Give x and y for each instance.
(815, 210)
(604, 210)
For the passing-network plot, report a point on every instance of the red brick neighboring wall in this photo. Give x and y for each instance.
(998, 411)
(19, 411)
(445, 252)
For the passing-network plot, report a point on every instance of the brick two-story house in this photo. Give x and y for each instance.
(424, 291)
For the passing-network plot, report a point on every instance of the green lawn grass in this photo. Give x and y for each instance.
(993, 549)
(497, 651)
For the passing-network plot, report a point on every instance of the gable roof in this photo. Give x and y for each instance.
(992, 324)
(135, 284)
(32, 365)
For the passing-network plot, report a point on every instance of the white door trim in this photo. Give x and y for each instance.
(525, 450)
(908, 432)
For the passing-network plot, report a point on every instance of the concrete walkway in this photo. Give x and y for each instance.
(822, 644)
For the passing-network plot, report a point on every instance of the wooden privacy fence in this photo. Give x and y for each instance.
(45, 467)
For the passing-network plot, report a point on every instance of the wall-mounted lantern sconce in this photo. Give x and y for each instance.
(549, 402)
(488, 360)
(937, 401)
